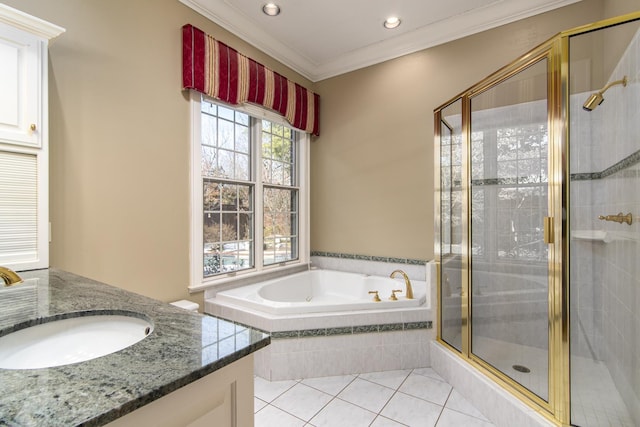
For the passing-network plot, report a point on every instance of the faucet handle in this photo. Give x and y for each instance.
(393, 296)
(376, 297)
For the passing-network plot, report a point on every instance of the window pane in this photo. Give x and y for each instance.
(245, 198)
(225, 113)
(209, 107)
(245, 221)
(242, 139)
(209, 161)
(229, 226)
(229, 197)
(242, 118)
(266, 170)
(278, 155)
(211, 197)
(225, 134)
(209, 130)
(211, 229)
(226, 165)
(242, 167)
(276, 173)
(280, 225)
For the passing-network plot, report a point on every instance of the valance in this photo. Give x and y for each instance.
(217, 70)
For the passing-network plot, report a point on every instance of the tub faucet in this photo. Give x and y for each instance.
(9, 276)
(409, 291)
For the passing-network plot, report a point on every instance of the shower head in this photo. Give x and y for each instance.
(596, 98)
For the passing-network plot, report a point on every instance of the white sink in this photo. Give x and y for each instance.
(73, 340)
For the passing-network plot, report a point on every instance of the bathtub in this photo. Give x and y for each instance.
(325, 323)
(322, 291)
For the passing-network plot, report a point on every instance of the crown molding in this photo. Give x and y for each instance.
(31, 24)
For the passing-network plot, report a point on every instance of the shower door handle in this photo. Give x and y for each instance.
(548, 230)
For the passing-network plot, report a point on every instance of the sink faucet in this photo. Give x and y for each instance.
(407, 282)
(9, 276)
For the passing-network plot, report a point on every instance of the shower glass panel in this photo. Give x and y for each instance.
(604, 226)
(451, 223)
(508, 203)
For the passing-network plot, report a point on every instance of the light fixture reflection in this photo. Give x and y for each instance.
(392, 22)
(271, 9)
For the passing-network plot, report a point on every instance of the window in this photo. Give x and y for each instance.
(249, 195)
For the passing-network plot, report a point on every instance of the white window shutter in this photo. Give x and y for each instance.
(18, 208)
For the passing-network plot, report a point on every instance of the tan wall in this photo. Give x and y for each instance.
(119, 126)
(372, 174)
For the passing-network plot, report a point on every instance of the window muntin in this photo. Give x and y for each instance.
(233, 183)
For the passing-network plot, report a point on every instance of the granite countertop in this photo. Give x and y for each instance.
(182, 348)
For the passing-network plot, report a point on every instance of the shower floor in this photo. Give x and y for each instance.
(595, 400)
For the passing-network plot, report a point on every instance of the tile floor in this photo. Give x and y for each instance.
(418, 397)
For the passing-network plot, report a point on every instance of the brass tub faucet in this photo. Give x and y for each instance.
(409, 290)
(9, 276)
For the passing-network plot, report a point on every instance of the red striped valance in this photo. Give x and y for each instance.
(217, 70)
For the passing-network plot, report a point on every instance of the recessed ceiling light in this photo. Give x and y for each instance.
(271, 9)
(392, 22)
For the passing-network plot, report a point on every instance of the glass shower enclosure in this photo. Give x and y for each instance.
(537, 195)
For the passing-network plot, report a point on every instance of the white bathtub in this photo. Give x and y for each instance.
(318, 291)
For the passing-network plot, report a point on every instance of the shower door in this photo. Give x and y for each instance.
(509, 259)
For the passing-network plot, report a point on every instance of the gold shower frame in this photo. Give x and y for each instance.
(556, 51)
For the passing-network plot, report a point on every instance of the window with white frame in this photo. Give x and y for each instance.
(249, 192)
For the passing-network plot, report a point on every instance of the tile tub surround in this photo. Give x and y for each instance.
(329, 355)
(321, 344)
(182, 348)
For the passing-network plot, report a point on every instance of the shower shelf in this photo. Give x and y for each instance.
(604, 236)
(592, 235)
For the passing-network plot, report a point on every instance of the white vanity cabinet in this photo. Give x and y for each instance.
(23, 76)
(20, 87)
(24, 180)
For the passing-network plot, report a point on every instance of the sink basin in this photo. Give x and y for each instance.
(72, 340)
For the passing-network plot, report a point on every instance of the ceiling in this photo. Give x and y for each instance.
(322, 39)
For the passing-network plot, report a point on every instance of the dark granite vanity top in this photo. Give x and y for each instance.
(182, 348)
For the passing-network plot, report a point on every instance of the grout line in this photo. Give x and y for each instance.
(324, 406)
(443, 406)
(289, 413)
(396, 391)
(340, 391)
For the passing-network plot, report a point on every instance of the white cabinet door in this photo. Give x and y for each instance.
(20, 87)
